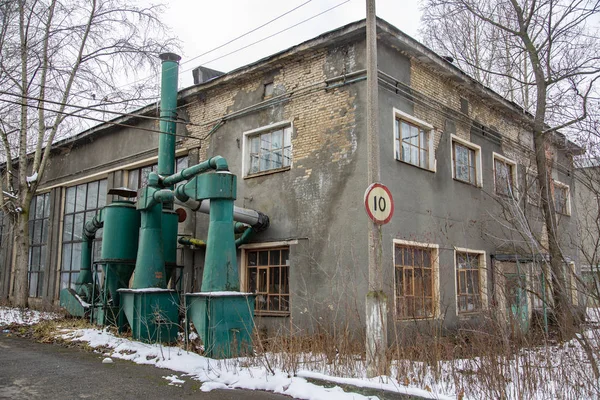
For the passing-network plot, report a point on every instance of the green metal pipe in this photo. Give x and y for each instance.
(217, 163)
(168, 113)
(244, 238)
(85, 268)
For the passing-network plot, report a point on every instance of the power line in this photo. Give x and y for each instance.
(226, 43)
(100, 120)
(87, 108)
(274, 34)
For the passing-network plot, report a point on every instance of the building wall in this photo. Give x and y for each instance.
(316, 204)
(313, 205)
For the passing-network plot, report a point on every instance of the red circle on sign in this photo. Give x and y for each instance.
(369, 212)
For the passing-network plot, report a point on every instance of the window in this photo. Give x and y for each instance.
(470, 281)
(267, 275)
(415, 268)
(413, 141)
(505, 172)
(533, 190)
(538, 284)
(466, 162)
(268, 149)
(138, 177)
(39, 212)
(269, 89)
(81, 204)
(562, 203)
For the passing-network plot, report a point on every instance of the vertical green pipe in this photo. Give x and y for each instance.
(150, 263)
(168, 114)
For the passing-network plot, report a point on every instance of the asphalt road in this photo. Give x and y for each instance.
(30, 370)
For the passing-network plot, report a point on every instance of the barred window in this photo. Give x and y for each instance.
(268, 272)
(39, 213)
(414, 280)
(468, 282)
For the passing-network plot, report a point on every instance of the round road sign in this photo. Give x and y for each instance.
(379, 203)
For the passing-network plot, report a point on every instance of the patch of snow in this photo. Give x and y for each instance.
(32, 178)
(82, 302)
(146, 290)
(26, 316)
(218, 294)
(174, 380)
(215, 374)
(380, 382)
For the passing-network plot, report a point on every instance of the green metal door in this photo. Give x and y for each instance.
(516, 301)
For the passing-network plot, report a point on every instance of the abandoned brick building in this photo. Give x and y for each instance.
(456, 156)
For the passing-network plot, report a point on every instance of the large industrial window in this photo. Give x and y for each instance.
(138, 177)
(504, 175)
(466, 161)
(268, 149)
(39, 212)
(415, 281)
(562, 202)
(470, 281)
(81, 204)
(267, 275)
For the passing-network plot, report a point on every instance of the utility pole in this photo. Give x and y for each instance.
(376, 302)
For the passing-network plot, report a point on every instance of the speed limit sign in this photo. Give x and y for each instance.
(379, 203)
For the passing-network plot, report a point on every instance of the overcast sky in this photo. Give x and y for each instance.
(203, 25)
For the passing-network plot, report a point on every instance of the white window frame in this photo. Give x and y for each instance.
(482, 280)
(513, 164)
(556, 184)
(478, 165)
(397, 114)
(435, 266)
(246, 146)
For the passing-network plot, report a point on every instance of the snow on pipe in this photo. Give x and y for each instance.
(257, 220)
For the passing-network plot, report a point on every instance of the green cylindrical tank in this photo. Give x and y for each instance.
(119, 245)
(170, 220)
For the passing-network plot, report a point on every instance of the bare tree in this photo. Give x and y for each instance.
(547, 49)
(54, 55)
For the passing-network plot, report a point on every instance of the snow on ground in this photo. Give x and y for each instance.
(18, 316)
(235, 373)
(561, 370)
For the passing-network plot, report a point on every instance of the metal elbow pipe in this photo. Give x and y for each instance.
(256, 219)
(91, 227)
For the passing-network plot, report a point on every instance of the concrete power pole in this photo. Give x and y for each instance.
(376, 302)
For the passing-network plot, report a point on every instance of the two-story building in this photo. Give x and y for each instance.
(466, 237)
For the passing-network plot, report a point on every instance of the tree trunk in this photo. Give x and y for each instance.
(561, 306)
(21, 285)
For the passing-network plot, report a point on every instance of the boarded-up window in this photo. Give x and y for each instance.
(503, 177)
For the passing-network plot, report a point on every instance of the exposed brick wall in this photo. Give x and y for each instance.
(448, 94)
(323, 120)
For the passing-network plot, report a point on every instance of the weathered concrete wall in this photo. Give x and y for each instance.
(318, 201)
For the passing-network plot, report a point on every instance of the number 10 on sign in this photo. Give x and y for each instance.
(379, 203)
